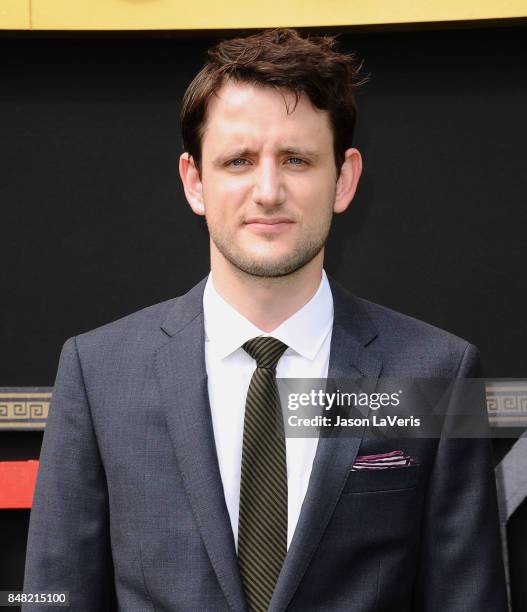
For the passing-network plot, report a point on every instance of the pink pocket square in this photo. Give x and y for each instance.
(384, 461)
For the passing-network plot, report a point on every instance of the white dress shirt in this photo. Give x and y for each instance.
(307, 333)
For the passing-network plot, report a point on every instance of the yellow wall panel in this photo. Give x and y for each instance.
(210, 14)
(14, 14)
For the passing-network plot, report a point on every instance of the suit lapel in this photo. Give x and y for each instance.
(181, 370)
(352, 332)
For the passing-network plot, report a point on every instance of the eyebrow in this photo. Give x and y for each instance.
(247, 152)
(303, 152)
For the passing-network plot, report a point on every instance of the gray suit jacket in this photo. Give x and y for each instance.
(129, 511)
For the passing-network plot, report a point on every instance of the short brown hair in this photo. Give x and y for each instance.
(282, 59)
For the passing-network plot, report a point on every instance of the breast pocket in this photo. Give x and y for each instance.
(389, 479)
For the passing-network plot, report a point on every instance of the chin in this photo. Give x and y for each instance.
(266, 268)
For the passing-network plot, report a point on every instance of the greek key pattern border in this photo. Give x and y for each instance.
(23, 408)
(507, 403)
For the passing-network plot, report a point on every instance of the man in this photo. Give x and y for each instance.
(162, 473)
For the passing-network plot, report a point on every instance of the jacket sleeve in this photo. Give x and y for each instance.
(461, 565)
(68, 543)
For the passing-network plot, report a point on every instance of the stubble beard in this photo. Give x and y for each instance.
(303, 252)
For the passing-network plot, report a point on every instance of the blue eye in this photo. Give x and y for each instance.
(235, 162)
(296, 161)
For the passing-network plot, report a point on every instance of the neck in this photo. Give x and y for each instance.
(266, 302)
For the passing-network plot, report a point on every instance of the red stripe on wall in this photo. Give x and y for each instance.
(17, 483)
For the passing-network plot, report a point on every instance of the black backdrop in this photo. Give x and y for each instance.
(95, 225)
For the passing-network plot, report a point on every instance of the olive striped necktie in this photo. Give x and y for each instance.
(262, 525)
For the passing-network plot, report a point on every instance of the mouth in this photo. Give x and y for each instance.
(268, 225)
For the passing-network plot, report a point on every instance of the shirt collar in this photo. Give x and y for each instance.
(304, 331)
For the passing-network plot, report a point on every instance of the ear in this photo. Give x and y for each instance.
(348, 179)
(192, 184)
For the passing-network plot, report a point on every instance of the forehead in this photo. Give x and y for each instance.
(259, 116)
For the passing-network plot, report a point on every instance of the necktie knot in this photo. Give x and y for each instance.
(265, 350)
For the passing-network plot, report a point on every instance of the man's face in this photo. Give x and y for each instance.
(268, 179)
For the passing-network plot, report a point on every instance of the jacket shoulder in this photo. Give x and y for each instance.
(138, 324)
(412, 342)
(126, 341)
(389, 321)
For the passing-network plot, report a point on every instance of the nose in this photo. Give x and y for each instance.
(269, 189)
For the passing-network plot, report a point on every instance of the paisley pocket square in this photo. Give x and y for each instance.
(383, 461)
